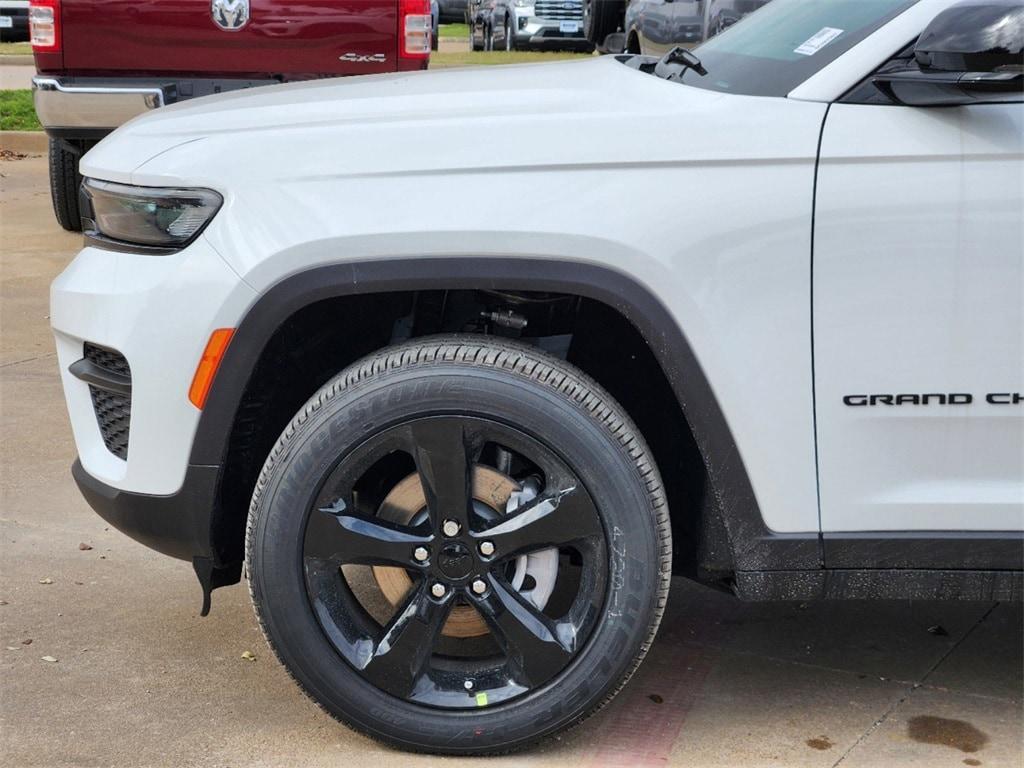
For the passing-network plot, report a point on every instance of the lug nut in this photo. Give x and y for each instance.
(486, 548)
(451, 528)
(479, 586)
(420, 553)
(437, 590)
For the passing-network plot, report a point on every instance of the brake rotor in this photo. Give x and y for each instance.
(405, 501)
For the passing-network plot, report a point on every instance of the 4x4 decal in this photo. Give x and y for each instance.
(364, 58)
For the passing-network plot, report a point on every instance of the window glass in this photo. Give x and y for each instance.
(776, 48)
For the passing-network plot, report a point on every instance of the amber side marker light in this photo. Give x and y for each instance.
(208, 365)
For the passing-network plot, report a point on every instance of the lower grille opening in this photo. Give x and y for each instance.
(113, 407)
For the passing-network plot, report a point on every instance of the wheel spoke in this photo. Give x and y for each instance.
(550, 520)
(443, 462)
(536, 646)
(400, 657)
(333, 535)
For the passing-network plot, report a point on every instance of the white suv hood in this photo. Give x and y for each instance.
(594, 111)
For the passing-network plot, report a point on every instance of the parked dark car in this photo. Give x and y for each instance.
(452, 11)
(652, 27)
(435, 24)
(719, 15)
(478, 17)
(13, 21)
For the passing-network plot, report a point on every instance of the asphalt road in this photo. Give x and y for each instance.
(140, 680)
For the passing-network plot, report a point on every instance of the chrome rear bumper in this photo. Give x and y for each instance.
(61, 105)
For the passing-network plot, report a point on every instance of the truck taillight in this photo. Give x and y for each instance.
(44, 21)
(414, 29)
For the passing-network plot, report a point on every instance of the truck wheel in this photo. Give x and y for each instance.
(64, 184)
(601, 18)
(459, 545)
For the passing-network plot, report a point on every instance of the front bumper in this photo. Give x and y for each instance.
(178, 524)
(158, 313)
(534, 31)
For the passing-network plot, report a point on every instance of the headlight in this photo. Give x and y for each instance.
(157, 218)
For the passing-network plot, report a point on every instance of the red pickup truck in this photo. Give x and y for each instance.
(101, 62)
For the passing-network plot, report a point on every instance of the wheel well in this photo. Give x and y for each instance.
(319, 340)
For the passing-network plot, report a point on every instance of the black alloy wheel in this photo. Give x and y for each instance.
(460, 552)
(459, 545)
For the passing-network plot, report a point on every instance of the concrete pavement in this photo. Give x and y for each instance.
(15, 76)
(141, 680)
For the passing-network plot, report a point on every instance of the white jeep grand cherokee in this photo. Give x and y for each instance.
(765, 301)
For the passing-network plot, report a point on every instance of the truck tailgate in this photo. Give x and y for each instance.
(295, 39)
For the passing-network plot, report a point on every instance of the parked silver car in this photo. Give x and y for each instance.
(547, 24)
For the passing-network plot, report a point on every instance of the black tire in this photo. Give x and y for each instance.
(601, 18)
(531, 399)
(64, 183)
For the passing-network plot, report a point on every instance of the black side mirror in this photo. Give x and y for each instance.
(971, 53)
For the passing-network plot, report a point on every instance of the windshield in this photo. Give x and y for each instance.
(775, 49)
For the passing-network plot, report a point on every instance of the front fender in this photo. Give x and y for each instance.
(752, 543)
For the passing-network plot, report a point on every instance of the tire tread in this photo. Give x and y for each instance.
(64, 183)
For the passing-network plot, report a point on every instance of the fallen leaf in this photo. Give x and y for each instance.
(84, 547)
(47, 580)
(938, 630)
(27, 641)
(50, 659)
(3, 602)
(249, 656)
(656, 698)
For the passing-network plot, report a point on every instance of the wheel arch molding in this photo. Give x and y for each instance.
(738, 535)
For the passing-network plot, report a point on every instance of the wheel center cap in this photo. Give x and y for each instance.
(456, 561)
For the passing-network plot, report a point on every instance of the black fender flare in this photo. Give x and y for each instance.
(752, 545)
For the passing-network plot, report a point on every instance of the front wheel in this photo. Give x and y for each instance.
(460, 545)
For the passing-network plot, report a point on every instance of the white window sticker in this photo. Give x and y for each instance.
(818, 40)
